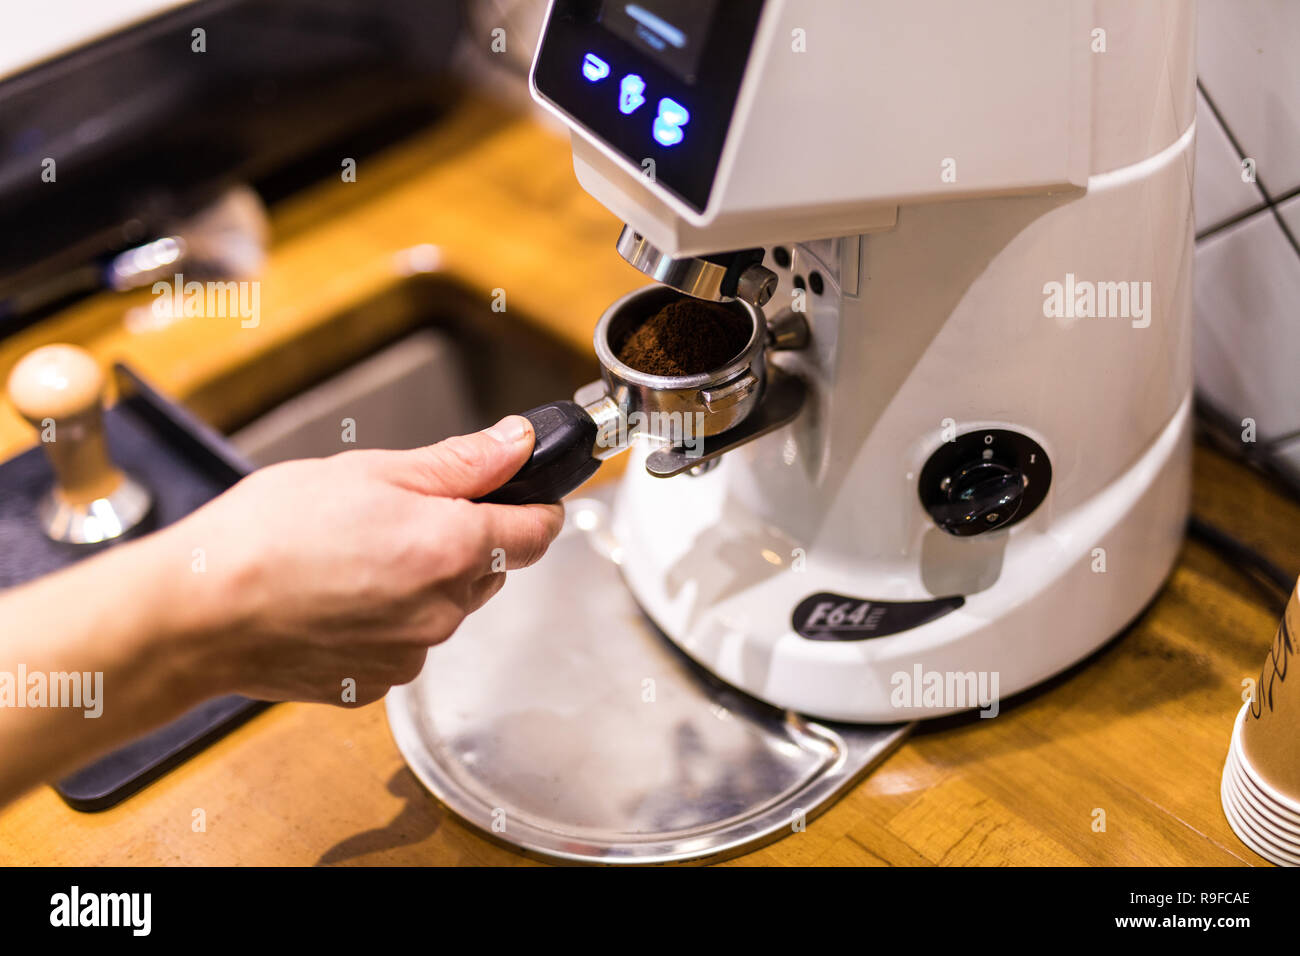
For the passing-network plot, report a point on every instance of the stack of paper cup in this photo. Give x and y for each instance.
(1261, 779)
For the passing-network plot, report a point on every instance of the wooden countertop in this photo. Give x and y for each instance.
(1139, 730)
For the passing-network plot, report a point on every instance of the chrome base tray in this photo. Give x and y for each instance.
(559, 720)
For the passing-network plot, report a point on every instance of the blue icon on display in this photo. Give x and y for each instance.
(631, 94)
(594, 68)
(668, 124)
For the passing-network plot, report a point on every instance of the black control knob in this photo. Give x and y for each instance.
(983, 481)
(981, 496)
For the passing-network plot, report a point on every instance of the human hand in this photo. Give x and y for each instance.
(321, 571)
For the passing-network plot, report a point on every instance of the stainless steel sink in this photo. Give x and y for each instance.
(424, 360)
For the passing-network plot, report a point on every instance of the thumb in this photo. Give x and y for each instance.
(468, 466)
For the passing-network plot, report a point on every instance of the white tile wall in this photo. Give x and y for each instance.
(1290, 212)
(1247, 336)
(1221, 191)
(1247, 266)
(1248, 57)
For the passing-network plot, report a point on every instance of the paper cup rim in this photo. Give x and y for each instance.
(1256, 840)
(1248, 769)
(1287, 837)
(1252, 797)
(1247, 835)
(1246, 786)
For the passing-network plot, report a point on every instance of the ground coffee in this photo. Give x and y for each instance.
(686, 337)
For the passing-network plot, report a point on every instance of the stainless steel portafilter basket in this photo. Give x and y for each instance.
(672, 408)
(676, 412)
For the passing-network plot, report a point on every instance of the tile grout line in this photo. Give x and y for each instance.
(1236, 220)
(1269, 200)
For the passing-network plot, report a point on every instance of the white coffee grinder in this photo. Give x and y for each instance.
(977, 462)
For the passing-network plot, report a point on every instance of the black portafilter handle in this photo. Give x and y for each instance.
(564, 437)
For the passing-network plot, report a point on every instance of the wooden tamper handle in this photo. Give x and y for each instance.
(59, 389)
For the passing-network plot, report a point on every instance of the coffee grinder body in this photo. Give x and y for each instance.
(983, 213)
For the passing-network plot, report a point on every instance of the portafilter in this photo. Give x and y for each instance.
(572, 438)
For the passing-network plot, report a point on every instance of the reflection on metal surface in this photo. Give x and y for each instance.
(689, 274)
(702, 278)
(93, 522)
(560, 721)
(782, 401)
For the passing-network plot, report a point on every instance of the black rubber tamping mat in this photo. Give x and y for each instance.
(184, 464)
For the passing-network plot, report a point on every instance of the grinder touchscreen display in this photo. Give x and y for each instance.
(671, 31)
(656, 80)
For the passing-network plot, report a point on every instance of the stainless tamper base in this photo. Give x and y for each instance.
(103, 519)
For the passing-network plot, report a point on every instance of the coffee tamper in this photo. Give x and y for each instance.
(59, 389)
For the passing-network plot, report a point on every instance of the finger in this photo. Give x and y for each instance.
(407, 664)
(483, 590)
(517, 536)
(466, 466)
(366, 694)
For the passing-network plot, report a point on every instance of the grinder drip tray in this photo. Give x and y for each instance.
(561, 721)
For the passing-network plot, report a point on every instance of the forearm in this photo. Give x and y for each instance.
(304, 581)
(95, 655)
